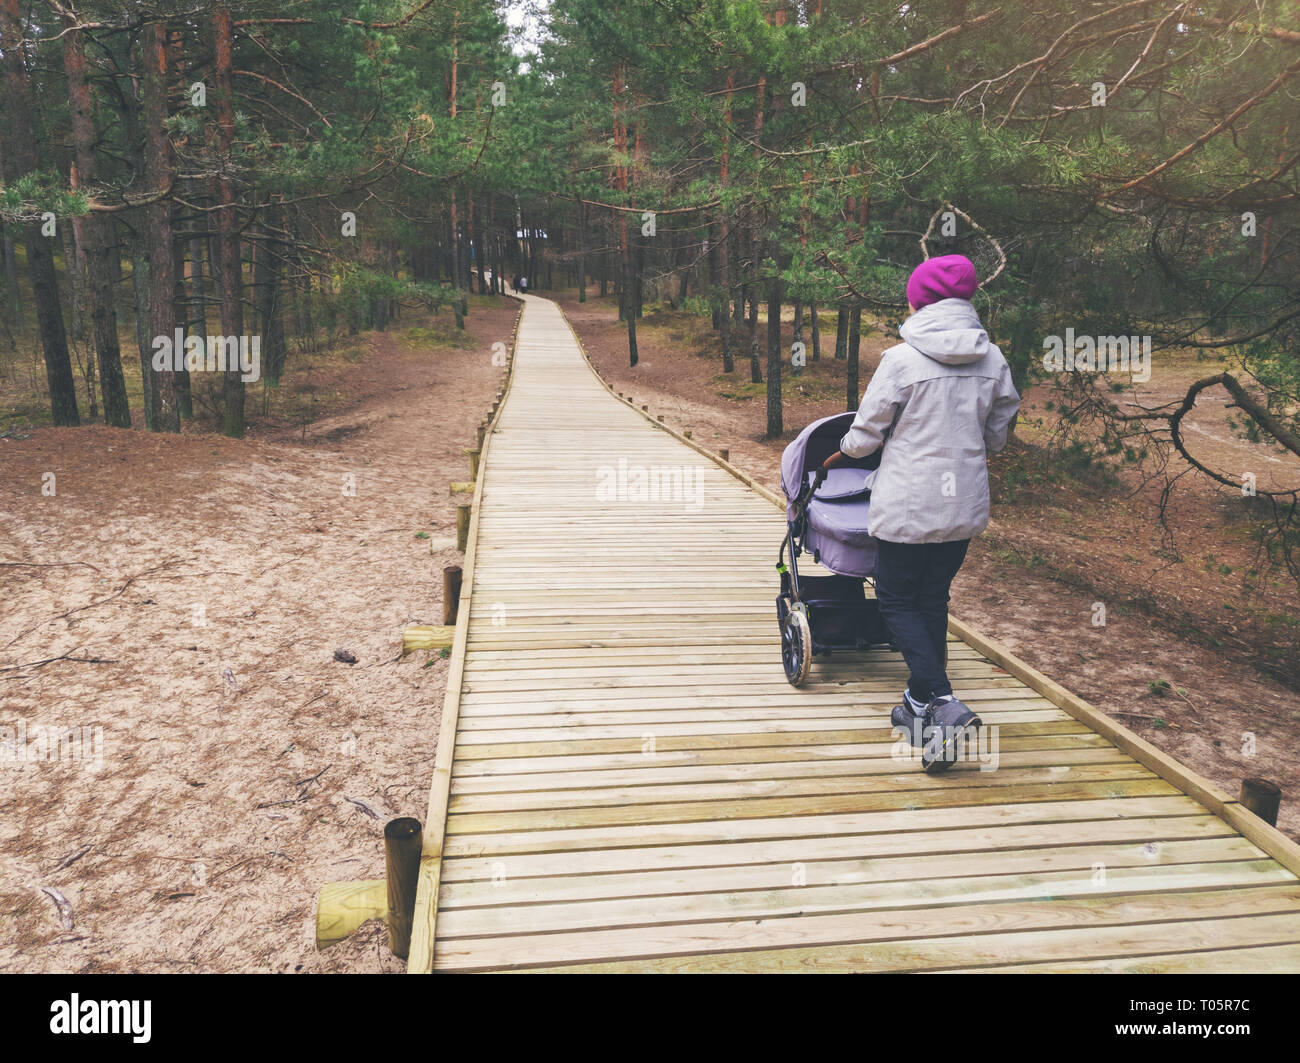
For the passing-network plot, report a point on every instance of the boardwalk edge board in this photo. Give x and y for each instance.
(420, 959)
(1278, 845)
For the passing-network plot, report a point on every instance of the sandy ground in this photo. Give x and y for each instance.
(1053, 551)
(225, 765)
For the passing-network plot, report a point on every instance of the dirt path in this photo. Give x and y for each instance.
(1034, 579)
(240, 763)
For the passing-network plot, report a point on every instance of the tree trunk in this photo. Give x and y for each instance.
(228, 261)
(74, 268)
(774, 413)
(180, 311)
(11, 280)
(852, 397)
(11, 259)
(627, 300)
(140, 296)
(629, 304)
(454, 240)
(724, 284)
(476, 242)
(816, 331)
(267, 273)
(40, 251)
(582, 252)
(156, 227)
(841, 330)
(198, 294)
(103, 264)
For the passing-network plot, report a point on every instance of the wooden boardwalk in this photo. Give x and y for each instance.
(625, 781)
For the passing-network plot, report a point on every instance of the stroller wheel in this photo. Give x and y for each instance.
(796, 647)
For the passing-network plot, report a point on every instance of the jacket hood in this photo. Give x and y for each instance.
(948, 331)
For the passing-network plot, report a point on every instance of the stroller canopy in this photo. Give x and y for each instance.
(836, 531)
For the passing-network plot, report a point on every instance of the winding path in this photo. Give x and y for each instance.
(625, 781)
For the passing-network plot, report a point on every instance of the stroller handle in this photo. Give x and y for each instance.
(806, 495)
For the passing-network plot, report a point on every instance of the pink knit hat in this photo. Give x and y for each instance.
(945, 277)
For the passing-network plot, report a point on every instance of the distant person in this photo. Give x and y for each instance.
(938, 403)
(523, 285)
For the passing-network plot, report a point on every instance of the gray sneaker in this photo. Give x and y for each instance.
(947, 726)
(908, 719)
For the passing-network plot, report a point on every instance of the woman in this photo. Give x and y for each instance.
(939, 403)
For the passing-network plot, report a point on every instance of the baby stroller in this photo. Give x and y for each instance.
(826, 515)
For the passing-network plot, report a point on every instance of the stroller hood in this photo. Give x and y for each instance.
(813, 446)
(836, 528)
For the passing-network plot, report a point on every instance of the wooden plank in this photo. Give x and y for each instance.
(665, 743)
(962, 935)
(1061, 739)
(803, 901)
(491, 705)
(899, 780)
(558, 782)
(738, 730)
(809, 875)
(684, 812)
(592, 869)
(1277, 959)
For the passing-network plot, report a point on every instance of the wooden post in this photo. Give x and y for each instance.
(1262, 797)
(403, 841)
(726, 454)
(478, 436)
(462, 527)
(645, 409)
(342, 907)
(661, 418)
(426, 637)
(451, 583)
(687, 433)
(473, 463)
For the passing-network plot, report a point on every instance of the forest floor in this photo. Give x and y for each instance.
(189, 594)
(1200, 650)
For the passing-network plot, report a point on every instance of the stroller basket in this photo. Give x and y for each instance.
(839, 612)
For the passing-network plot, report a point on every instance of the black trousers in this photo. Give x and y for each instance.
(912, 585)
